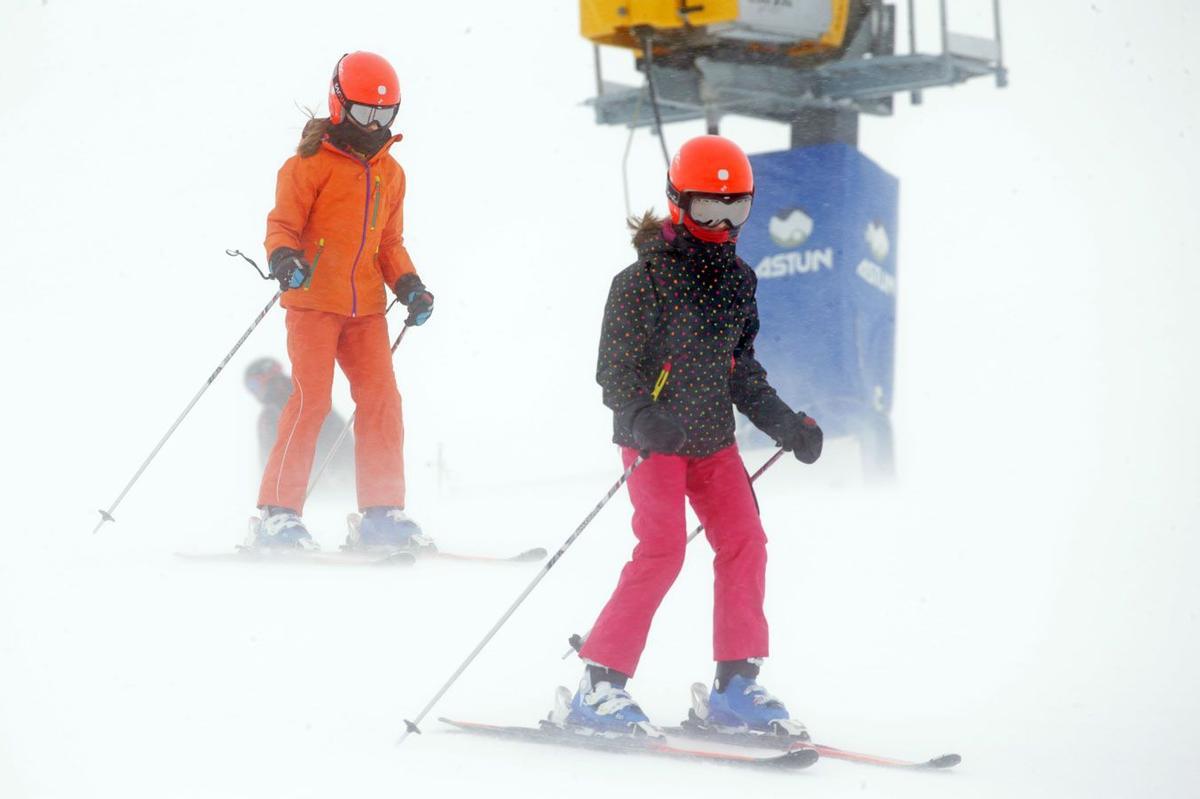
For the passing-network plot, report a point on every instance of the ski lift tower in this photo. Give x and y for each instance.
(822, 234)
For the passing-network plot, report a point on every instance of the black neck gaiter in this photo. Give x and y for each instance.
(348, 136)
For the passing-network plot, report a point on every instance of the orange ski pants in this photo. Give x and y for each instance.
(315, 339)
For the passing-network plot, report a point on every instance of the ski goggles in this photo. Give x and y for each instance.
(710, 210)
(364, 115)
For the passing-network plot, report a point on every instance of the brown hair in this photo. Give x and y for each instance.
(646, 227)
(314, 131)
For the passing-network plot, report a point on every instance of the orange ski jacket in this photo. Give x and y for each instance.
(347, 216)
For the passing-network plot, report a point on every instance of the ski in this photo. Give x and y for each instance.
(350, 556)
(939, 762)
(696, 728)
(534, 555)
(692, 730)
(528, 556)
(353, 557)
(549, 733)
(313, 557)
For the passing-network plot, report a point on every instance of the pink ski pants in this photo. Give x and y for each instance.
(719, 489)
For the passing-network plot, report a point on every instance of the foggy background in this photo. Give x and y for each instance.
(1024, 593)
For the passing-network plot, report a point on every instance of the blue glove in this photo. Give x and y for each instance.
(416, 298)
(288, 267)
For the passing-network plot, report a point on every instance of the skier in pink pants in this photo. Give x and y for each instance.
(685, 311)
(720, 493)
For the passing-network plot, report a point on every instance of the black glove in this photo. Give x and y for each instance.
(416, 298)
(655, 429)
(288, 267)
(802, 437)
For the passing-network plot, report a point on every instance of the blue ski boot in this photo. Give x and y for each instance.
(738, 704)
(601, 709)
(279, 528)
(386, 528)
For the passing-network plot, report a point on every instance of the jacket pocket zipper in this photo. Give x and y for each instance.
(375, 212)
(316, 260)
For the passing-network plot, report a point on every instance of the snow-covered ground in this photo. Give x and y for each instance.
(1024, 594)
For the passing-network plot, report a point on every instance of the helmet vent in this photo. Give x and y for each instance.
(722, 174)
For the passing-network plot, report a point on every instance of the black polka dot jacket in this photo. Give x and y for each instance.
(687, 307)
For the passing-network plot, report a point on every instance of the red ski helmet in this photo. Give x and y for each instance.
(364, 87)
(710, 182)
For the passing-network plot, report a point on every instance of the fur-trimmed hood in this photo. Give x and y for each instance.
(654, 235)
(646, 229)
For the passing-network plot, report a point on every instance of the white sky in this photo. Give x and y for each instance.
(1046, 373)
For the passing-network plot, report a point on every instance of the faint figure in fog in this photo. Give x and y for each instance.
(267, 381)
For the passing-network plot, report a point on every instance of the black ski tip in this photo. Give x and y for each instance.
(410, 727)
(945, 761)
(397, 559)
(796, 758)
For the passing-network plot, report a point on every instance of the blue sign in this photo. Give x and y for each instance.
(822, 240)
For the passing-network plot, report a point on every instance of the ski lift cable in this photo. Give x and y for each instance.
(648, 50)
(637, 113)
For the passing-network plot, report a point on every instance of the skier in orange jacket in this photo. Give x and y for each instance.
(335, 240)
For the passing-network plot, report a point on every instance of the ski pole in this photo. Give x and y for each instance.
(411, 726)
(770, 462)
(107, 515)
(349, 422)
(577, 640)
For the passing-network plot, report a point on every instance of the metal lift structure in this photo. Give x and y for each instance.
(814, 64)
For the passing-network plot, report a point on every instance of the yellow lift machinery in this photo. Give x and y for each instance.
(804, 26)
(787, 60)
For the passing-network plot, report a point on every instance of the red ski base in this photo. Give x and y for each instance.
(551, 734)
(692, 729)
